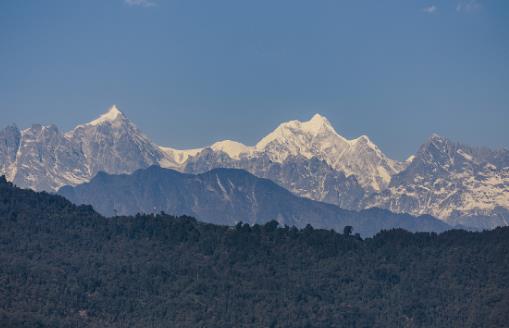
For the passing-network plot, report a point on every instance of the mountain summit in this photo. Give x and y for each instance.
(43, 158)
(317, 138)
(112, 115)
(112, 143)
(461, 184)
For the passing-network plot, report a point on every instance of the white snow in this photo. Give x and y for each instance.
(296, 133)
(461, 192)
(317, 138)
(231, 148)
(465, 155)
(313, 138)
(316, 124)
(111, 115)
(174, 158)
(223, 189)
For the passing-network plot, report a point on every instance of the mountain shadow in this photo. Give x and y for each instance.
(227, 196)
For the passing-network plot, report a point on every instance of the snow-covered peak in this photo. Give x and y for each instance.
(437, 139)
(110, 116)
(318, 138)
(437, 147)
(317, 124)
(295, 134)
(363, 144)
(113, 118)
(232, 148)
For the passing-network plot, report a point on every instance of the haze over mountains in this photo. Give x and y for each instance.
(228, 196)
(454, 182)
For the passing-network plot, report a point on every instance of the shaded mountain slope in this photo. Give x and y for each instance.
(228, 196)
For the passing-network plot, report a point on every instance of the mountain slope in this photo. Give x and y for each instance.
(311, 178)
(308, 158)
(43, 158)
(10, 138)
(316, 138)
(227, 196)
(455, 182)
(112, 143)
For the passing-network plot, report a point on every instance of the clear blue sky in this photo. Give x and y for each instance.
(190, 72)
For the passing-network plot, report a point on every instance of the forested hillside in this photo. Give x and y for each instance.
(66, 266)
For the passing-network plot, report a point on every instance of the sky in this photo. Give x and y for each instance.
(189, 73)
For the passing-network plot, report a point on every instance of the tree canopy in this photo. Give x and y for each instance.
(67, 266)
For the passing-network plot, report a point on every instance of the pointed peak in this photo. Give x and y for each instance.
(314, 126)
(437, 143)
(437, 137)
(316, 123)
(319, 118)
(111, 115)
(438, 140)
(289, 132)
(114, 110)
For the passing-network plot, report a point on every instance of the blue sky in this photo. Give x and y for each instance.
(190, 72)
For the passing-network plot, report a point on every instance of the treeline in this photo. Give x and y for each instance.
(66, 266)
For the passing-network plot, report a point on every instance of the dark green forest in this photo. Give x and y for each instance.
(66, 266)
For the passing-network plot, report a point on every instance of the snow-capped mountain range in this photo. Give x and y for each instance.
(315, 138)
(448, 180)
(462, 184)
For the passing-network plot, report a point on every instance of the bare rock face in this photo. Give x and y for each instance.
(46, 159)
(113, 144)
(317, 138)
(42, 158)
(10, 138)
(311, 178)
(454, 182)
(308, 158)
